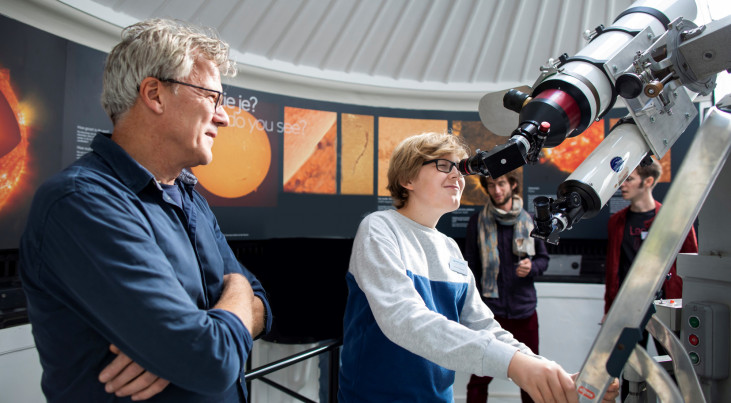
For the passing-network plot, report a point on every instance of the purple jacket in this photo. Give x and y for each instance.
(517, 296)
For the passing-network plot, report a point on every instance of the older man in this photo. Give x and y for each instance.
(132, 289)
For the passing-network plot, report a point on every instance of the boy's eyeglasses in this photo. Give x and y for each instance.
(443, 165)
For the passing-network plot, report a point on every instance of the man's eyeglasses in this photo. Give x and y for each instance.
(219, 94)
(443, 165)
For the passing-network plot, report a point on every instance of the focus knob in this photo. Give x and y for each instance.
(629, 85)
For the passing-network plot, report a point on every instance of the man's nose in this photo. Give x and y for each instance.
(220, 117)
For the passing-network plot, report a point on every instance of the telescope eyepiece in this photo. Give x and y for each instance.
(514, 100)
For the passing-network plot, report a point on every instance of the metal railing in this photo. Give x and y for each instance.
(13, 305)
(333, 350)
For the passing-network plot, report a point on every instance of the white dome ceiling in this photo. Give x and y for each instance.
(439, 45)
(446, 49)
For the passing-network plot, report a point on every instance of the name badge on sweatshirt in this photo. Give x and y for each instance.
(459, 266)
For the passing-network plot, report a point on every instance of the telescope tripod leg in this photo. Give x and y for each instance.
(655, 376)
(685, 377)
(643, 368)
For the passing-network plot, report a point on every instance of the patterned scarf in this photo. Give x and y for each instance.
(523, 244)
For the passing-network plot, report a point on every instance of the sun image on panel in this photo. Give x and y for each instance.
(242, 165)
(391, 131)
(568, 155)
(310, 151)
(13, 140)
(356, 154)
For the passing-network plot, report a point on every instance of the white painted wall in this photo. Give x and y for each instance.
(20, 369)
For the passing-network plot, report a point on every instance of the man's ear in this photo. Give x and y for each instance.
(650, 182)
(408, 185)
(150, 94)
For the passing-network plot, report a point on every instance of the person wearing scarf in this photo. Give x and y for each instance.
(505, 260)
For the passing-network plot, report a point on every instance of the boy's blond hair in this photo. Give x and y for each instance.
(410, 155)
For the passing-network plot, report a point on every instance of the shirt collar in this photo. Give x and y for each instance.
(187, 178)
(129, 171)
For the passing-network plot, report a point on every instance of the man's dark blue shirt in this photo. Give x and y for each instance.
(108, 257)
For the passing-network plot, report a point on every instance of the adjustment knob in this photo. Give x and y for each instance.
(653, 89)
(629, 85)
(573, 200)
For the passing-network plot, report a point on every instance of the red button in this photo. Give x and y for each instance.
(693, 339)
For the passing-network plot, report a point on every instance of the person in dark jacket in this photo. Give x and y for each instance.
(505, 260)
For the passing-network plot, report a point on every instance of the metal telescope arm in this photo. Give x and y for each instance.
(692, 183)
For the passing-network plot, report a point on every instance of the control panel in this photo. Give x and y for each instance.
(705, 336)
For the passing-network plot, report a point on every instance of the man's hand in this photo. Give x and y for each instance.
(124, 377)
(523, 268)
(543, 380)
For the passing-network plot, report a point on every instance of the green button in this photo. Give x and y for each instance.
(694, 358)
(694, 322)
